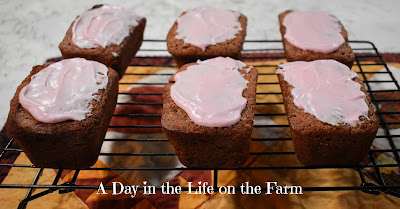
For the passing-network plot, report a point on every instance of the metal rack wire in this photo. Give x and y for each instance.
(253, 49)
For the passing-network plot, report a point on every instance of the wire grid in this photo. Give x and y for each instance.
(253, 48)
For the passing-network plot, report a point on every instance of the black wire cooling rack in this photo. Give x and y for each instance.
(253, 50)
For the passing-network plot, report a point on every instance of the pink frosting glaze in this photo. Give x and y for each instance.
(103, 26)
(64, 90)
(325, 89)
(205, 26)
(315, 31)
(211, 92)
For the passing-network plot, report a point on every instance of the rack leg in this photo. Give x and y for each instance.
(215, 180)
(23, 203)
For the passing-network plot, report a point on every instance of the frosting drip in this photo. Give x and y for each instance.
(325, 89)
(64, 90)
(315, 31)
(206, 26)
(103, 26)
(211, 92)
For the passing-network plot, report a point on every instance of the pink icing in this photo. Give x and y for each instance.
(205, 26)
(103, 26)
(315, 31)
(211, 92)
(325, 89)
(64, 90)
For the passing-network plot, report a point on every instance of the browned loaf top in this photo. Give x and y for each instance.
(318, 143)
(126, 51)
(344, 54)
(210, 147)
(68, 144)
(184, 53)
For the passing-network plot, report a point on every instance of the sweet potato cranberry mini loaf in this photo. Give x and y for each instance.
(308, 36)
(206, 32)
(208, 112)
(108, 34)
(60, 113)
(331, 118)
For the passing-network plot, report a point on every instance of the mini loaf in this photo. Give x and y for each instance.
(313, 46)
(331, 123)
(74, 126)
(204, 143)
(206, 32)
(102, 43)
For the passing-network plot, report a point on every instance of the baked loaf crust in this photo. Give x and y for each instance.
(210, 147)
(126, 51)
(69, 144)
(344, 54)
(184, 53)
(317, 143)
